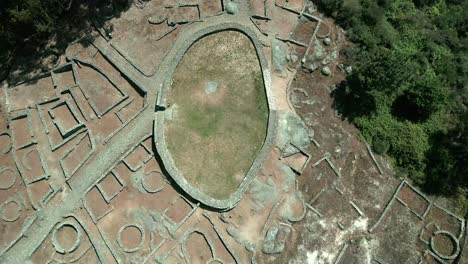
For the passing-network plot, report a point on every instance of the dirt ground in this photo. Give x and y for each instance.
(81, 180)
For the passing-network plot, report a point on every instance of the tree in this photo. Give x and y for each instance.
(422, 99)
(449, 160)
(408, 92)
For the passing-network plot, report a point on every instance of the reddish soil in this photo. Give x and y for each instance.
(64, 117)
(304, 30)
(21, 131)
(137, 157)
(179, 210)
(66, 237)
(64, 79)
(210, 7)
(131, 237)
(110, 185)
(198, 249)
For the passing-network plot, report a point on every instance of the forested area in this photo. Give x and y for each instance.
(409, 88)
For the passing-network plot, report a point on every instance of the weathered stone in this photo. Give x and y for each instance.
(311, 66)
(326, 71)
(311, 9)
(232, 8)
(330, 58)
(211, 87)
(250, 246)
(319, 50)
(270, 243)
(292, 58)
(292, 129)
(279, 55)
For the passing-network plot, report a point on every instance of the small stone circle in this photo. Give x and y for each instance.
(5, 147)
(454, 240)
(145, 182)
(137, 247)
(58, 247)
(16, 215)
(8, 178)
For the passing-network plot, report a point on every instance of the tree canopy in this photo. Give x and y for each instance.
(408, 92)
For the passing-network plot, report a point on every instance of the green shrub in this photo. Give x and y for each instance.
(409, 85)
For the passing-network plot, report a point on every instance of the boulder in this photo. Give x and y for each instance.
(232, 8)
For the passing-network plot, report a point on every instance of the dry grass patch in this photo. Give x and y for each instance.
(214, 137)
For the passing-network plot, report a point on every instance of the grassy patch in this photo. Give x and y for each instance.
(214, 138)
(205, 121)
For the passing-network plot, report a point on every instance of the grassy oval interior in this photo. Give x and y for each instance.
(220, 112)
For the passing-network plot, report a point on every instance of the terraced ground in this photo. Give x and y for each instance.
(220, 112)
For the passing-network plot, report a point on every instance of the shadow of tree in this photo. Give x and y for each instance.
(351, 100)
(447, 160)
(26, 51)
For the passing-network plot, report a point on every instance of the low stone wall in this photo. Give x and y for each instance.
(159, 135)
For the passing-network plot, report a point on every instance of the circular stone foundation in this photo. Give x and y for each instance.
(131, 237)
(187, 171)
(445, 245)
(153, 182)
(7, 178)
(66, 237)
(10, 211)
(5, 143)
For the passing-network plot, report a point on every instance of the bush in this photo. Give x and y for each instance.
(408, 92)
(380, 145)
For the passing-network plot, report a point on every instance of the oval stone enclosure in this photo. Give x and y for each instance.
(216, 115)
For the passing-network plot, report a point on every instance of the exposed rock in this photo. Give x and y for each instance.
(278, 54)
(292, 129)
(311, 66)
(269, 242)
(232, 8)
(311, 9)
(262, 193)
(292, 58)
(319, 50)
(330, 57)
(275, 240)
(211, 87)
(250, 246)
(327, 41)
(326, 71)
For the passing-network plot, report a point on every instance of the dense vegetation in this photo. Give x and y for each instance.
(409, 89)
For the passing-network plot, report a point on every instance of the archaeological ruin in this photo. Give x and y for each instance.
(203, 132)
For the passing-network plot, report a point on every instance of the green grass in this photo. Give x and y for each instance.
(205, 121)
(214, 138)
